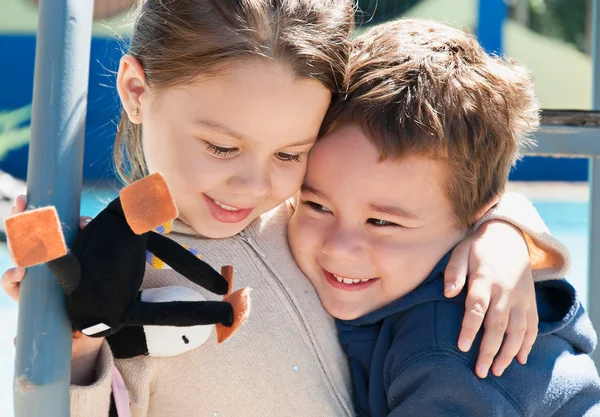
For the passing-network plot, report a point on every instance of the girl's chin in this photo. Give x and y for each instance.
(207, 226)
(215, 230)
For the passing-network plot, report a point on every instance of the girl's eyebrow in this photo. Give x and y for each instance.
(224, 130)
(219, 128)
(309, 141)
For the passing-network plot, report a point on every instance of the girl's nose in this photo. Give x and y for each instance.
(254, 181)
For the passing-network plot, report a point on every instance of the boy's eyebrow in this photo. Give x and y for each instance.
(309, 189)
(224, 130)
(393, 211)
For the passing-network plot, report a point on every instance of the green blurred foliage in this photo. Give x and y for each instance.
(14, 129)
(565, 20)
(561, 19)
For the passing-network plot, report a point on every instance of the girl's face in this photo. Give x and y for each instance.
(231, 147)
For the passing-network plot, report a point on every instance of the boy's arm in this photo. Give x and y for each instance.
(441, 383)
(549, 257)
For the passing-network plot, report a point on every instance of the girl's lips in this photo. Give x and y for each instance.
(226, 216)
(359, 286)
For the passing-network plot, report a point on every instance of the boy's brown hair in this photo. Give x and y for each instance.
(420, 86)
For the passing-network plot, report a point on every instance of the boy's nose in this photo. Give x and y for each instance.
(344, 245)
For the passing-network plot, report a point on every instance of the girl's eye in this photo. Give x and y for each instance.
(317, 207)
(286, 157)
(382, 223)
(219, 151)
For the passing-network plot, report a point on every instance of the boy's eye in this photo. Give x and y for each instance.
(317, 207)
(381, 223)
(220, 151)
(286, 157)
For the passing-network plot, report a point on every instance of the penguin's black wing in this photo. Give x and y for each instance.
(186, 263)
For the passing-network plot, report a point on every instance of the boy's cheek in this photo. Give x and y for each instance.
(302, 231)
(305, 235)
(295, 233)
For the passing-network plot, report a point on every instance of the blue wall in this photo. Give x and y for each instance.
(18, 56)
(16, 75)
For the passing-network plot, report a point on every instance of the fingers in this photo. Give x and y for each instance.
(495, 324)
(530, 335)
(476, 304)
(515, 333)
(456, 271)
(83, 221)
(11, 280)
(19, 204)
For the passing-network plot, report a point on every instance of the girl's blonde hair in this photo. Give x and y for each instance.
(178, 40)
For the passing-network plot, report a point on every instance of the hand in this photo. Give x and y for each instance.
(496, 259)
(11, 279)
(84, 355)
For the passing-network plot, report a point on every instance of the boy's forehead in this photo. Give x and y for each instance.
(342, 149)
(347, 160)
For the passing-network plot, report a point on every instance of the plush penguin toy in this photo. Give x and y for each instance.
(103, 271)
(156, 340)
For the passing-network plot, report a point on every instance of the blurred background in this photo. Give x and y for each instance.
(551, 37)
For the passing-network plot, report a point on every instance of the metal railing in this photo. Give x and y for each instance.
(577, 134)
(42, 365)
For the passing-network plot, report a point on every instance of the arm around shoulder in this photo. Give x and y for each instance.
(549, 257)
(442, 383)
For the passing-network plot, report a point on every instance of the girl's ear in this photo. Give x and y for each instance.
(131, 85)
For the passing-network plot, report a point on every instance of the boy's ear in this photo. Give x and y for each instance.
(131, 85)
(487, 207)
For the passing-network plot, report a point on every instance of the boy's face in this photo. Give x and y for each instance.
(367, 232)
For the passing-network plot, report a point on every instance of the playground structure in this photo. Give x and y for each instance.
(42, 371)
(562, 74)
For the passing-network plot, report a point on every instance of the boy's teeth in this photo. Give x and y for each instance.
(349, 280)
(225, 206)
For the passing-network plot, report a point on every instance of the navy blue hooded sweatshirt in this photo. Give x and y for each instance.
(405, 361)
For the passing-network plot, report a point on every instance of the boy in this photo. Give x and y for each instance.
(413, 155)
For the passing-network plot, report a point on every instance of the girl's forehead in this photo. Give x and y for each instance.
(253, 102)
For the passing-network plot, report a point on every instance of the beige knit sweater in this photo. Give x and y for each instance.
(284, 361)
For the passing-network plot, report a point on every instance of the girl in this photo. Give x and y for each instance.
(225, 99)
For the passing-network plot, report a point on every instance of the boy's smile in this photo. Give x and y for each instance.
(347, 283)
(367, 231)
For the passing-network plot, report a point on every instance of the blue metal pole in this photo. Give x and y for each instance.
(42, 366)
(490, 22)
(594, 183)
